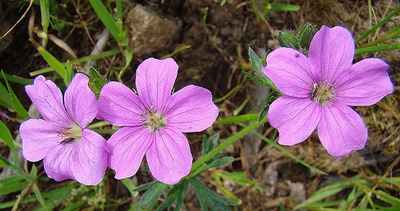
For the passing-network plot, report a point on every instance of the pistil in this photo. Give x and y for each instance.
(323, 92)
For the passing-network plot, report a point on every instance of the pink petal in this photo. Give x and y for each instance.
(89, 158)
(80, 102)
(47, 98)
(331, 51)
(154, 81)
(57, 163)
(291, 72)
(341, 130)
(364, 83)
(38, 138)
(191, 109)
(119, 105)
(169, 156)
(295, 118)
(127, 147)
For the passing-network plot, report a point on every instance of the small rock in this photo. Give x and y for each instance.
(149, 32)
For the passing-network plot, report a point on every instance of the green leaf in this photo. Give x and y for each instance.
(16, 79)
(12, 184)
(96, 81)
(5, 99)
(240, 178)
(323, 193)
(257, 68)
(130, 186)
(209, 143)
(21, 111)
(6, 136)
(149, 198)
(220, 162)
(69, 73)
(209, 198)
(128, 60)
(377, 48)
(108, 20)
(263, 113)
(285, 7)
(387, 198)
(54, 197)
(3, 162)
(51, 60)
(381, 23)
(78, 61)
(39, 197)
(177, 193)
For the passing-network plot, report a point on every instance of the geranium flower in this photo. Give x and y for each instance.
(318, 90)
(154, 121)
(68, 149)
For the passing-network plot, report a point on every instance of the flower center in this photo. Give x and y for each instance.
(323, 92)
(153, 120)
(72, 133)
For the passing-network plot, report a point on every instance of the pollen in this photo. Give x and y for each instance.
(323, 92)
(153, 120)
(74, 132)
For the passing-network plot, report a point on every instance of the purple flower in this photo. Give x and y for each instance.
(318, 91)
(154, 121)
(68, 149)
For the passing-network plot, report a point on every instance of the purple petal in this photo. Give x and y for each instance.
(38, 138)
(127, 148)
(80, 102)
(331, 51)
(341, 130)
(154, 81)
(291, 72)
(57, 163)
(364, 83)
(89, 158)
(47, 98)
(119, 105)
(191, 109)
(169, 156)
(295, 118)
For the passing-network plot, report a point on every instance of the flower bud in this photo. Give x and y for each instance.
(287, 39)
(305, 35)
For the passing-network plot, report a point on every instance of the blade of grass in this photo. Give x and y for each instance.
(282, 149)
(45, 14)
(374, 49)
(50, 59)
(285, 7)
(232, 139)
(381, 23)
(241, 118)
(6, 137)
(79, 61)
(228, 94)
(16, 79)
(177, 51)
(5, 99)
(21, 111)
(107, 19)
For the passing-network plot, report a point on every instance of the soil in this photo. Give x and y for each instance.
(218, 37)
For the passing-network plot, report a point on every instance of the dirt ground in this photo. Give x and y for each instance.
(219, 38)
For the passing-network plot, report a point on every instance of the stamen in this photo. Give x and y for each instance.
(154, 120)
(70, 134)
(323, 92)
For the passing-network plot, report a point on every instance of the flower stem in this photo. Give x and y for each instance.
(228, 142)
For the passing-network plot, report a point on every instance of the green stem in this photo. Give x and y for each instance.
(228, 142)
(235, 119)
